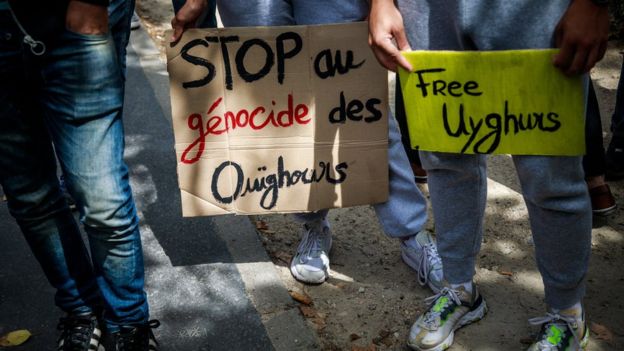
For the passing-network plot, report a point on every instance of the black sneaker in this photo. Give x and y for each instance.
(137, 337)
(79, 333)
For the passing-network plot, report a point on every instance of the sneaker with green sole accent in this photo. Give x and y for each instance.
(560, 332)
(449, 310)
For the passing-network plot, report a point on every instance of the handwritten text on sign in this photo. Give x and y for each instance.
(501, 102)
(278, 119)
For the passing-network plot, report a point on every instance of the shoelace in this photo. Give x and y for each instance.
(431, 320)
(134, 338)
(311, 241)
(429, 253)
(557, 320)
(76, 332)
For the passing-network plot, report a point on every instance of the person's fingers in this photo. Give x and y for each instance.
(403, 45)
(401, 40)
(564, 58)
(579, 61)
(391, 56)
(592, 58)
(384, 59)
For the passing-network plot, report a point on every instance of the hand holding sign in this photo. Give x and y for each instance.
(385, 25)
(503, 102)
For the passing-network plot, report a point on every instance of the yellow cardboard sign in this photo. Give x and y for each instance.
(494, 102)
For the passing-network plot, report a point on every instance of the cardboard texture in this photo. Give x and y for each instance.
(278, 119)
(499, 102)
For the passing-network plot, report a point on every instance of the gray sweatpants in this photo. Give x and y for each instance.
(553, 187)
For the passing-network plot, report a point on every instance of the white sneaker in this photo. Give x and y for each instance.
(420, 253)
(311, 262)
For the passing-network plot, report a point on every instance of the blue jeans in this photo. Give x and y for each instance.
(405, 212)
(553, 187)
(71, 97)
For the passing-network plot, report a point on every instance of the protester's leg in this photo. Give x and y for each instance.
(554, 189)
(311, 261)
(437, 26)
(594, 161)
(615, 151)
(558, 205)
(458, 186)
(553, 186)
(617, 120)
(83, 115)
(28, 177)
(487, 26)
(459, 222)
(405, 212)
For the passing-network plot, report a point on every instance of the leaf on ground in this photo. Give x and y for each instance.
(341, 286)
(283, 256)
(602, 332)
(506, 273)
(354, 337)
(300, 297)
(15, 338)
(261, 225)
(385, 338)
(308, 312)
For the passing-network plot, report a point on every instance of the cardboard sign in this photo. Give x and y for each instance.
(278, 119)
(497, 102)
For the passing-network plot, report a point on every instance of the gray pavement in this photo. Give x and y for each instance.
(209, 280)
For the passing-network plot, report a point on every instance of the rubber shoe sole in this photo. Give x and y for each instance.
(300, 278)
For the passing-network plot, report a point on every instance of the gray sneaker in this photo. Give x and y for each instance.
(420, 253)
(311, 262)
